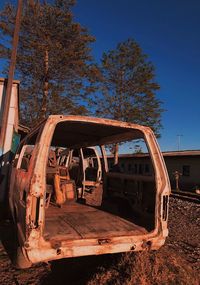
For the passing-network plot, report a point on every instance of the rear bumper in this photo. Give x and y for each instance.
(47, 251)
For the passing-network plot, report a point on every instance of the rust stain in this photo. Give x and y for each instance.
(53, 210)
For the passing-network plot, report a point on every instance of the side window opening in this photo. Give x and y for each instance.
(26, 157)
(91, 166)
(133, 158)
(24, 154)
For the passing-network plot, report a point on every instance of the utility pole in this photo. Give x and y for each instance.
(11, 75)
(179, 141)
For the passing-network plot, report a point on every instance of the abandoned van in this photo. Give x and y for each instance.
(66, 202)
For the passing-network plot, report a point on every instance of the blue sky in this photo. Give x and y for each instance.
(168, 31)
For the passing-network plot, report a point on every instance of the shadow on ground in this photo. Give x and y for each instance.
(78, 271)
(8, 237)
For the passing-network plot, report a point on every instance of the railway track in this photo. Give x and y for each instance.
(186, 196)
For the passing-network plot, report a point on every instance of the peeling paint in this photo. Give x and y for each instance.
(30, 194)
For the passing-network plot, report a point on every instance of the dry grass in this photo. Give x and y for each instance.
(144, 268)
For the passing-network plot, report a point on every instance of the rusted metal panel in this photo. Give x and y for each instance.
(77, 133)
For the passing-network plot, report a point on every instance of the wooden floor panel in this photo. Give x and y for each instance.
(75, 221)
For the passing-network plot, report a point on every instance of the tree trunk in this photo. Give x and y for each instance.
(116, 153)
(46, 85)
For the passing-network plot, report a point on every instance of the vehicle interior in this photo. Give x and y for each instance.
(87, 195)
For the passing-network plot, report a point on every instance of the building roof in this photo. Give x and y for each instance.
(182, 153)
(165, 154)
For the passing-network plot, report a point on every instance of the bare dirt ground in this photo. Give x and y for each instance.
(177, 262)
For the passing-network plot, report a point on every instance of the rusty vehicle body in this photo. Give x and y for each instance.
(66, 202)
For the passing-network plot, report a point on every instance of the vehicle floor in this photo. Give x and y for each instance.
(78, 221)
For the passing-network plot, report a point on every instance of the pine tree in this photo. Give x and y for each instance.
(54, 60)
(128, 88)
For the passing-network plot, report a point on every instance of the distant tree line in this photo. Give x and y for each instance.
(59, 75)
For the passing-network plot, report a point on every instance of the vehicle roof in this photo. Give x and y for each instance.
(96, 120)
(89, 119)
(87, 131)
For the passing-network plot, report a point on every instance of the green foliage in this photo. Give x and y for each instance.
(127, 87)
(56, 71)
(53, 63)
